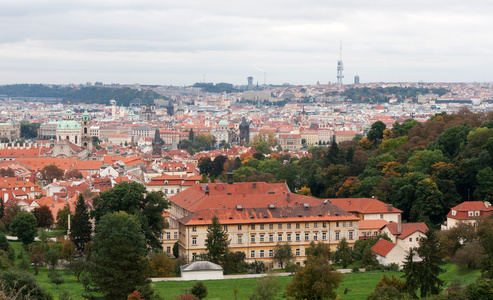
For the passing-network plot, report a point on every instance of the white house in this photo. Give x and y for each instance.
(388, 253)
(201, 270)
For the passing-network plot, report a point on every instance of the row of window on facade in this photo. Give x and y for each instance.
(168, 235)
(262, 238)
(172, 191)
(288, 225)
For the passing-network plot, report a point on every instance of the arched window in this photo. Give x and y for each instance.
(85, 130)
(75, 139)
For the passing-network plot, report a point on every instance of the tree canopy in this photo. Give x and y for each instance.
(133, 198)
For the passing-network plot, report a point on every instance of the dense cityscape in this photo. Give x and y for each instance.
(105, 186)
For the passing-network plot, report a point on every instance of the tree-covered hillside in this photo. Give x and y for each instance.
(423, 169)
(85, 94)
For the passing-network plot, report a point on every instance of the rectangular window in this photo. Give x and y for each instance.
(289, 225)
(297, 237)
(252, 226)
(279, 226)
(261, 238)
(177, 191)
(289, 237)
(315, 225)
(297, 252)
(175, 235)
(337, 235)
(194, 241)
(324, 236)
(307, 236)
(315, 236)
(271, 237)
(344, 224)
(350, 223)
(194, 256)
(337, 224)
(279, 237)
(324, 225)
(225, 227)
(194, 228)
(375, 233)
(161, 236)
(261, 226)
(410, 239)
(252, 253)
(261, 253)
(239, 227)
(381, 216)
(271, 226)
(165, 191)
(240, 239)
(252, 238)
(168, 235)
(168, 250)
(307, 225)
(351, 235)
(297, 225)
(271, 253)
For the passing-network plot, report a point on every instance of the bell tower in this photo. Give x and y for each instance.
(86, 139)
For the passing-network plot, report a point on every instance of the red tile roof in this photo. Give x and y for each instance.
(372, 224)
(383, 247)
(461, 211)
(406, 229)
(364, 206)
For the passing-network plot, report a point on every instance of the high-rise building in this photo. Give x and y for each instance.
(250, 83)
(356, 79)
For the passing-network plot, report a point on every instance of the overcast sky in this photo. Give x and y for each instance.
(177, 42)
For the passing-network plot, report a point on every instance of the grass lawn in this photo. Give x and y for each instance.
(358, 284)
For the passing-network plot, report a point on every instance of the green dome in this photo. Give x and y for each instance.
(223, 123)
(68, 124)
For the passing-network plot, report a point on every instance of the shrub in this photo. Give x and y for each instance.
(355, 269)
(199, 290)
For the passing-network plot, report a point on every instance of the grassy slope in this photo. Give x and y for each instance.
(359, 284)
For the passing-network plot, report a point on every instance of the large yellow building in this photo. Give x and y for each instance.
(257, 216)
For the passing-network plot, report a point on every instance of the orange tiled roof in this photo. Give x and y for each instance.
(462, 210)
(406, 229)
(383, 247)
(372, 224)
(364, 205)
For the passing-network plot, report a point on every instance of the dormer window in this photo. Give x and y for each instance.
(471, 213)
(454, 212)
(476, 213)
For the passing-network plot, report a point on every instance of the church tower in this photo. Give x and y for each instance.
(244, 131)
(86, 139)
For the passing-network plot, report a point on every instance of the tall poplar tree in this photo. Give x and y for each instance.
(81, 227)
(217, 241)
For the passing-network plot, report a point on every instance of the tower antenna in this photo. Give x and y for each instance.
(340, 67)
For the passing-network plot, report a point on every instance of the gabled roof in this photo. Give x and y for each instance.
(383, 247)
(365, 205)
(406, 229)
(461, 211)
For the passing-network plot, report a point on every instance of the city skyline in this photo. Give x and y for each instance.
(179, 44)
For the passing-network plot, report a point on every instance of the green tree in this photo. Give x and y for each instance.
(133, 198)
(176, 252)
(199, 290)
(317, 280)
(205, 165)
(191, 135)
(485, 233)
(283, 254)
(118, 263)
(160, 265)
(81, 227)
(266, 288)
(43, 216)
(24, 227)
(216, 242)
(429, 203)
(62, 217)
(10, 213)
(21, 284)
(375, 134)
(2, 208)
(343, 253)
(423, 275)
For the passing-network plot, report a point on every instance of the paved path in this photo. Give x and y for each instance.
(14, 238)
(242, 276)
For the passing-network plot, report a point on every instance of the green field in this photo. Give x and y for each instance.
(358, 284)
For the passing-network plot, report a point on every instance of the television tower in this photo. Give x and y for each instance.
(340, 67)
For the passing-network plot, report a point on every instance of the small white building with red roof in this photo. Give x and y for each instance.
(388, 253)
(405, 235)
(467, 212)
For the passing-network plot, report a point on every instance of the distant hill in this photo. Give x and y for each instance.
(86, 94)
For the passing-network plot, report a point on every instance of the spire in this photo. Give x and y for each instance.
(230, 173)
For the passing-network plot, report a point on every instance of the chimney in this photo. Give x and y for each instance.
(230, 173)
(390, 207)
(399, 224)
(254, 185)
(207, 190)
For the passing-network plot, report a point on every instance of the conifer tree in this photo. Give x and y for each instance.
(217, 241)
(81, 229)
